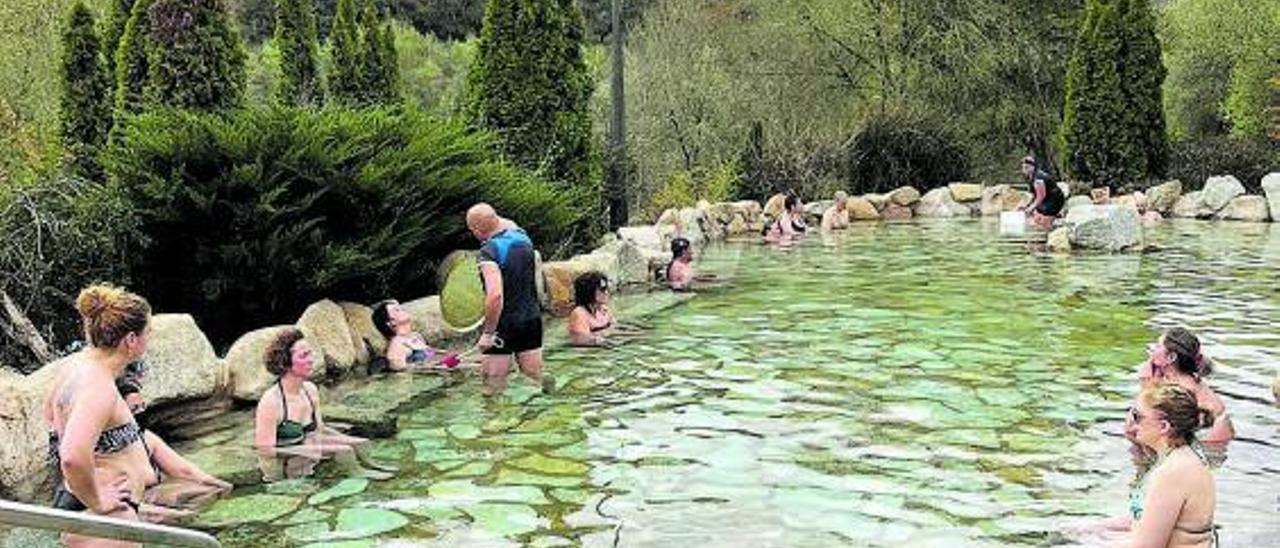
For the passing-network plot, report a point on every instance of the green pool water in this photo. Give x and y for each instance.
(911, 384)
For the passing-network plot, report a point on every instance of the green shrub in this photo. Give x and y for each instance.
(894, 151)
(61, 233)
(252, 216)
(295, 36)
(84, 112)
(685, 188)
(1194, 161)
(194, 57)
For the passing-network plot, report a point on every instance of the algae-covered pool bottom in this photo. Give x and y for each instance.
(898, 385)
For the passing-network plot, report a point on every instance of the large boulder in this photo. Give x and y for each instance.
(1192, 206)
(648, 237)
(737, 226)
(24, 473)
(246, 361)
(723, 213)
(325, 326)
(877, 200)
(938, 203)
(540, 281)
(1271, 188)
(1077, 201)
(1162, 197)
(1245, 208)
(775, 206)
(895, 212)
(181, 363)
(1001, 198)
(1219, 191)
(364, 335)
(604, 261)
(965, 192)
(813, 210)
(427, 319)
(688, 223)
(1105, 227)
(631, 263)
(861, 209)
(559, 276)
(904, 196)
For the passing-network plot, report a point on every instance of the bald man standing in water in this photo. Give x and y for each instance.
(512, 316)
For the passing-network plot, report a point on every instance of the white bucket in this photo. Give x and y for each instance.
(1013, 223)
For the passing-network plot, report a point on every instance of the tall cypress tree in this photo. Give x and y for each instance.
(84, 113)
(391, 62)
(295, 35)
(344, 40)
(194, 57)
(117, 18)
(373, 71)
(529, 83)
(1142, 75)
(131, 61)
(1097, 139)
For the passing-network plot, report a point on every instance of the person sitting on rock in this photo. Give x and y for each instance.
(406, 348)
(836, 217)
(174, 485)
(591, 319)
(1047, 200)
(289, 432)
(788, 226)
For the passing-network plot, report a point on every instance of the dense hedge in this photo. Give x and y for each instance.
(894, 151)
(249, 217)
(1194, 161)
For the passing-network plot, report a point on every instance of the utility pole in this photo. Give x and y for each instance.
(617, 187)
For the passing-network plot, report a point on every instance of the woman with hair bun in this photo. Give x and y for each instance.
(1172, 505)
(1176, 357)
(93, 436)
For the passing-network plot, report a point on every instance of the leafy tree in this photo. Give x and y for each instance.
(84, 113)
(194, 57)
(132, 67)
(378, 59)
(529, 84)
(296, 38)
(346, 80)
(117, 18)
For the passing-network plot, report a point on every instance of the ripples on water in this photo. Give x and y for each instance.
(898, 385)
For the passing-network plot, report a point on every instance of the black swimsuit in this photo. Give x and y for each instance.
(110, 441)
(290, 432)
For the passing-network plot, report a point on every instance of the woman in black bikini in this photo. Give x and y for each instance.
(93, 437)
(288, 422)
(591, 318)
(406, 348)
(789, 225)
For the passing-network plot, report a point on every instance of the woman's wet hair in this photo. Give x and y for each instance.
(279, 354)
(585, 286)
(678, 246)
(110, 313)
(1177, 406)
(1184, 346)
(382, 318)
(791, 201)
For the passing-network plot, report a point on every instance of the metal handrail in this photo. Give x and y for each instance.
(17, 514)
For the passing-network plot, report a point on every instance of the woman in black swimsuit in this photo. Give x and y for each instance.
(591, 318)
(288, 421)
(94, 438)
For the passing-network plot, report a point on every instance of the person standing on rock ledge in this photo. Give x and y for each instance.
(1047, 200)
(512, 315)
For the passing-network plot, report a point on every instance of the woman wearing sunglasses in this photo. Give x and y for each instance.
(591, 318)
(1172, 504)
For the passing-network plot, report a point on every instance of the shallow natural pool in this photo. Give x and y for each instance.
(922, 384)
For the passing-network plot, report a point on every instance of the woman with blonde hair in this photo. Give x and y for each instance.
(93, 436)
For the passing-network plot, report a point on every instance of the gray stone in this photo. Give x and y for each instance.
(632, 263)
(938, 203)
(1192, 206)
(1077, 201)
(877, 200)
(861, 209)
(775, 206)
(1059, 240)
(364, 335)
(647, 237)
(181, 363)
(965, 192)
(1271, 188)
(559, 277)
(325, 326)
(24, 474)
(904, 196)
(246, 361)
(895, 212)
(1162, 197)
(1250, 208)
(428, 320)
(1219, 191)
(1105, 227)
